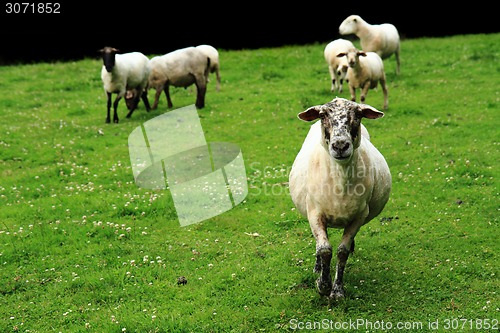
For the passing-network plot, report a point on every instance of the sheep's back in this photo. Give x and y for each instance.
(134, 69)
(373, 64)
(383, 40)
(182, 66)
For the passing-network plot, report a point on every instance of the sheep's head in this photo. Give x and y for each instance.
(340, 125)
(132, 99)
(350, 25)
(352, 57)
(108, 57)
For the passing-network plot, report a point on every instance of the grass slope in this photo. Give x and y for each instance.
(83, 249)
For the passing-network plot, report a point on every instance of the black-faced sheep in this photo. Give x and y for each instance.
(366, 70)
(180, 68)
(337, 66)
(380, 38)
(121, 73)
(338, 180)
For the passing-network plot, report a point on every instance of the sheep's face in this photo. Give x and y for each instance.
(352, 57)
(131, 99)
(108, 58)
(340, 125)
(349, 25)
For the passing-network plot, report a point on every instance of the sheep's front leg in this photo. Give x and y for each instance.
(108, 117)
(364, 91)
(145, 100)
(384, 89)
(332, 78)
(115, 108)
(352, 91)
(157, 97)
(323, 253)
(345, 248)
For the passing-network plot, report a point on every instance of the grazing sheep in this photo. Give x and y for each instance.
(337, 66)
(380, 38)
(121, 73)
(366, 70)
(338, 180)
(180, 68)
(213, 54)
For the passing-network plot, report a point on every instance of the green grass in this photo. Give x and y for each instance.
(83, 249)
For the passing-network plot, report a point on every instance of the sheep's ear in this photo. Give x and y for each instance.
(370, 112)
(310, 114)
(362, 53)
(340, 55)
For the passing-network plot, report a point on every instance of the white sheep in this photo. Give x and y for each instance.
(366, 70)
(180, 68)
(337, 66)
(338, 180)
(121, 73)
(213, 54)
(380, 38)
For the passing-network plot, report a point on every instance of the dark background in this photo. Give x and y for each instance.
(80, 30)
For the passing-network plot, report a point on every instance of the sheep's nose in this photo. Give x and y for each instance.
(341, 148)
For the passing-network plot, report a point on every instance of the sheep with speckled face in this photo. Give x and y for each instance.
(382, 39)
(338, 180)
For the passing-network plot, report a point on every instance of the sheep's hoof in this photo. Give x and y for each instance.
(337, 293)
(324, 287)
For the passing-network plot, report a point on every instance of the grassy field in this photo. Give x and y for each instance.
(83, 249)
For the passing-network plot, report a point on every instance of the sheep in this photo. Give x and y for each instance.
(180, 68)
(121, 73)
(366, 70)
(380, 38)
(213, 54)
(338, 180)
(337, 66)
